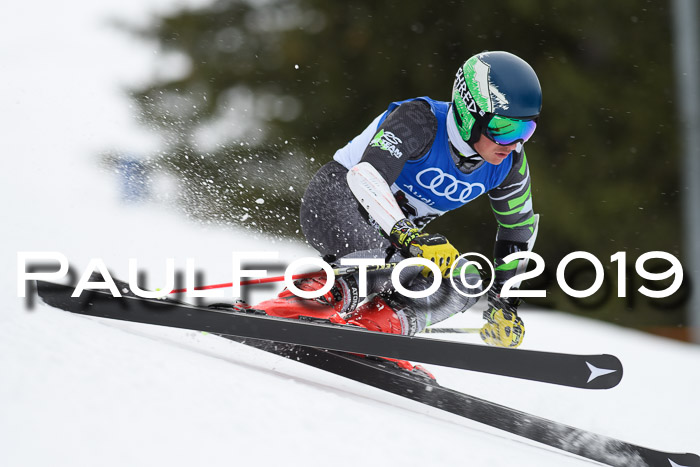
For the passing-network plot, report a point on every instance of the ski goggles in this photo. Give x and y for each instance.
(506, 131)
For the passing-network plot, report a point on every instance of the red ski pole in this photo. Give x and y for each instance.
(341, 271)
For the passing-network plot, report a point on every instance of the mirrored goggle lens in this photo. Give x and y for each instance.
(505, 131)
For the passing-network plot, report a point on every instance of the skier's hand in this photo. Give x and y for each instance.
(433, 247)
(503, 327)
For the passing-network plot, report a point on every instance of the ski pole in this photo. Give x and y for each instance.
(451, 330)
(339, 271)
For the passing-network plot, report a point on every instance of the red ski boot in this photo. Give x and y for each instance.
(377, 315)
(342, 297)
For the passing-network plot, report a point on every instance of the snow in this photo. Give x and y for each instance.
(82, 391)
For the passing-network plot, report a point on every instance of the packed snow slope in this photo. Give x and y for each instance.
(85, 391)
(77, 391)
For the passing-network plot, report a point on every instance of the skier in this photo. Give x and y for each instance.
(416, 161)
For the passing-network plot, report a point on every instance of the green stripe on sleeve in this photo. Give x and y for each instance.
(520, 199)
(508, 266)
(529, 221)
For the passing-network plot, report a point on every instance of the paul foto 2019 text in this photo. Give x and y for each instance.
(459, 274)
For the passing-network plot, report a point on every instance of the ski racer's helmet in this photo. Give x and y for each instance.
(496, 94)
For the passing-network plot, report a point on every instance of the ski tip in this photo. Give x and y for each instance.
(684, 460)
(604, 371)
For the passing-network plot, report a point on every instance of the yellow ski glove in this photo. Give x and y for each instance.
(434, 247)
(502, 328)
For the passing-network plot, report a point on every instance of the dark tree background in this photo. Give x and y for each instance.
(263, 92)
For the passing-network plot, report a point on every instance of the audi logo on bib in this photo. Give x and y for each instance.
(446, 185)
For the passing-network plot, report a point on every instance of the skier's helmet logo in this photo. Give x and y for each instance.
(494, 83)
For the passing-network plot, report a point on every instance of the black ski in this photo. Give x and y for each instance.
(582, 371)
(385, 376)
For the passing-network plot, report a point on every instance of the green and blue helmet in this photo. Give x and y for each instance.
(496, 94)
